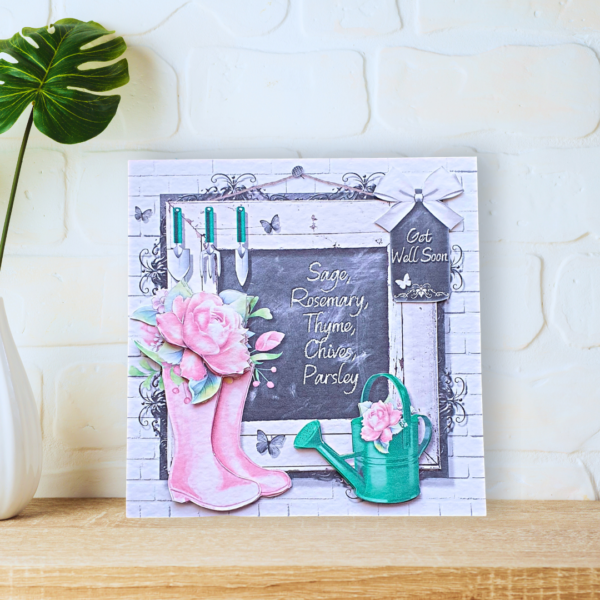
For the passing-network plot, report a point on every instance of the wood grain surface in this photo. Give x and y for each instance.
(80, 549)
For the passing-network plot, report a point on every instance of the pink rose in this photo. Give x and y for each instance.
(377, 422)
(268, 341)
(207, 329)
(150, 336)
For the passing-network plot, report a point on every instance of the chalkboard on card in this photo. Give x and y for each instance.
(332, 306)
(420, 258)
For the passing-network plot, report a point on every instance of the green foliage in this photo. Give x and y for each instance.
(149, 353)
(50, 76)
(261, 356)
(146, 314)
(263, 313)
(175, 378)
(150, 372)
(206, 389)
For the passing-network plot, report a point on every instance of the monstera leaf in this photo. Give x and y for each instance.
(51, 74)
(54, 69)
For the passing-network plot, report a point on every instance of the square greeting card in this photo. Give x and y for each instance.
(304, 338)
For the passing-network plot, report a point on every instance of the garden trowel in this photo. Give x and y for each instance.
(210, 258)
(241, 252)
(179, 261)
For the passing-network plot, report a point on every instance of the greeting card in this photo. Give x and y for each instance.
(304, 338)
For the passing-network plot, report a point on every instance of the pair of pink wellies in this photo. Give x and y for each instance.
(209, 467)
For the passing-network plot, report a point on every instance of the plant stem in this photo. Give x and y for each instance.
(13, 191)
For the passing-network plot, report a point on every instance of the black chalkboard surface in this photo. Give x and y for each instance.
(332, 305)
(420, 258)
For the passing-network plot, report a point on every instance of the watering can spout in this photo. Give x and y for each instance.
(310, 437)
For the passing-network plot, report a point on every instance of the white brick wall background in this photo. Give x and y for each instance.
(517, 86)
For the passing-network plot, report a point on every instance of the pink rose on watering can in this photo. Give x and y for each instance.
(210, 331)
(378, 422)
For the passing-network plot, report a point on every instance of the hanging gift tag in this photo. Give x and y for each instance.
(420, 257)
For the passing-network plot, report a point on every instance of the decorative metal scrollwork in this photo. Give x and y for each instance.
(420, 290)
(154, 269)
(456, 268)
(154, 414)
(364, 185)
(154, 405)
(452, 410)
(229, 184)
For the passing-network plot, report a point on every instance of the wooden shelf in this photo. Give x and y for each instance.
(80, 549)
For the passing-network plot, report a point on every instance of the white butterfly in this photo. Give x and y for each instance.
(404, 283)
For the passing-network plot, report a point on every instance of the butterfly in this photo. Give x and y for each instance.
(142, 215)
(404, 283)
(274, 225)
(273, 445)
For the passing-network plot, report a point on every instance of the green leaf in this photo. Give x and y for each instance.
(263, 313)
(147, 382)
(168, 353)
(231, 296)
(204, 390)
(146, 314)
(175, 378)
(252, 300)
(235, 300)
(161, 384)
(181, 289)
(133, 372)
(56, 77)
(363, 407)
(395, 429)
(149, 353)
(264, 356)
(382, 447)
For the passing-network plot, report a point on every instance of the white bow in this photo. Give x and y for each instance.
(439, 185)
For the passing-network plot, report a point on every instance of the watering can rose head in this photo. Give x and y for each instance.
(380, 422)
(210, 332)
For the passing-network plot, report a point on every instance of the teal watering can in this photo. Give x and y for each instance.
(377, 477)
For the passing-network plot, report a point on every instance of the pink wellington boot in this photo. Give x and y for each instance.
(196, 475)
(227, 442)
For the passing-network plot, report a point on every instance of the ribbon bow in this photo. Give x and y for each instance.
(439, 185)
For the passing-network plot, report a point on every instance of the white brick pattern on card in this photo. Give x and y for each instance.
(463, 493)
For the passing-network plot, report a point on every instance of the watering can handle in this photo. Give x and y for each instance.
(427, 437)
(406, 412)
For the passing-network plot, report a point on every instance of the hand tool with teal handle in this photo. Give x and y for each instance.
(241, 253)
(179, 260)
(377, 477)
(210, 258)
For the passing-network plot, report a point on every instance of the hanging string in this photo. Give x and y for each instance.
(255, 187)
(297, 173)
(341, 185)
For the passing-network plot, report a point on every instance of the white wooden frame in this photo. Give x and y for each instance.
(339, 223)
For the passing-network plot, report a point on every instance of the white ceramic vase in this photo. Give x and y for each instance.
(20, 429)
